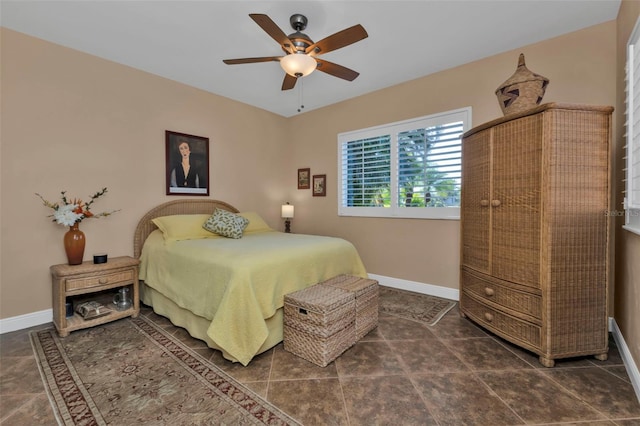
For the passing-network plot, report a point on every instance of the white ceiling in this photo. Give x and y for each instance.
(186, 41)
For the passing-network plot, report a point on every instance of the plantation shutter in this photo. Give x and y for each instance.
(633, 142)
(429, 166)
(632, 148)
(367, 166)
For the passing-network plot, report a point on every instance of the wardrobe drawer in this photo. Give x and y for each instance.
(490, 290)
(505, 325)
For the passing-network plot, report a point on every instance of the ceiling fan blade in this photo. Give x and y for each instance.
(336, 41)
(336, 70)
(273, 30)
(289, 82)
(250, 60)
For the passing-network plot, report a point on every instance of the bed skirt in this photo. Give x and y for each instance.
(197, 326)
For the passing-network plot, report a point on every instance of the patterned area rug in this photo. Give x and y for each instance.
(132, 372)
(414, 306)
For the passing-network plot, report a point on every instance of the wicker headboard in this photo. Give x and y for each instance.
(170, 208)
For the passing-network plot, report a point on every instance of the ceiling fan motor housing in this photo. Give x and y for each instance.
(299, 40)
(298, 22)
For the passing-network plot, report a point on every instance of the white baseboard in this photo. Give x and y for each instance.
(629, 363)
(430, 289)
(20, 322)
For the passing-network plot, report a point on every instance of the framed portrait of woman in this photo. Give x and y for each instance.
(187, 164)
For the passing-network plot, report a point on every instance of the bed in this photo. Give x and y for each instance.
(229, 292)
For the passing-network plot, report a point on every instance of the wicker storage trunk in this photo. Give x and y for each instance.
(366, 293)
(319, 323)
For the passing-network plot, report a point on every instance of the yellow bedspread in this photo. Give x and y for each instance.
(239, 283)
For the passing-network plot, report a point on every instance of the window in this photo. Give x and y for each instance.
(632, 184)
(407, 169)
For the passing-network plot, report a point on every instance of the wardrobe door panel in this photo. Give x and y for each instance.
(476, 201)
(516, 201)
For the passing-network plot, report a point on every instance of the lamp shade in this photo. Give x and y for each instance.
(298, 64)
(287, 210)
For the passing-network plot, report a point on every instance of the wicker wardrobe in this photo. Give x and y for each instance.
(535, 230)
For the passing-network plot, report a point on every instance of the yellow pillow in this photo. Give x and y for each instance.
(183, 227)
(256, 223)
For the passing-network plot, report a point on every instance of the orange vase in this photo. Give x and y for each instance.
(74, 244)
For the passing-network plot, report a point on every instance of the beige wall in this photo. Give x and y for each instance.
(75, 122)
(627, 265)
(426, 251)
(72, 121)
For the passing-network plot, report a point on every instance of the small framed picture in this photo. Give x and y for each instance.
(187, 164)
(304, 181)
(319, 185)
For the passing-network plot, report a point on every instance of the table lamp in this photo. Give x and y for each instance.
(287, 214)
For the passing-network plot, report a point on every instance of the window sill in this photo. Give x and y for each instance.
(631, 229)
(435, 213)
(402, 217)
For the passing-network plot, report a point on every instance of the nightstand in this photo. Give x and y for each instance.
(89, 281)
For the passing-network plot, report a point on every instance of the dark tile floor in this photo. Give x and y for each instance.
(402, 373)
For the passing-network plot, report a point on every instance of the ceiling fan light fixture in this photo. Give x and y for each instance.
(298, 64)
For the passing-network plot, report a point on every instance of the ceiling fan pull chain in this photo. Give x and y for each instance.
(300, 94)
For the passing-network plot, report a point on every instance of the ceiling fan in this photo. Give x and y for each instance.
(301, 52)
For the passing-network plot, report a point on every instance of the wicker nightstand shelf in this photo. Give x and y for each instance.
(89, 281)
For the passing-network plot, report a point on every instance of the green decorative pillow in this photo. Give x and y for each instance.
(182, 227)
(227, 224)
(256, 223)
